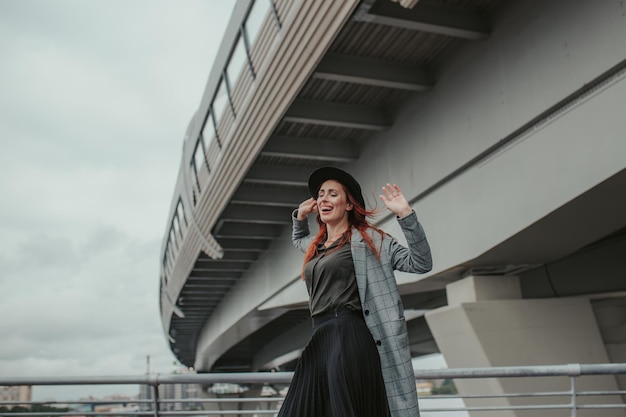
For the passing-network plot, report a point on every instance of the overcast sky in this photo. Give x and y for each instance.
(95, 98)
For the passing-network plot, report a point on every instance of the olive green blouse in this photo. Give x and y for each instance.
(331, 281)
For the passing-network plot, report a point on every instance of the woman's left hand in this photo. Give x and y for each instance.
(395, 201)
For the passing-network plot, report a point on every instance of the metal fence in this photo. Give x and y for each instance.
(587, 390)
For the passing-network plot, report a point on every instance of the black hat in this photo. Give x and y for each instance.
(320, 175)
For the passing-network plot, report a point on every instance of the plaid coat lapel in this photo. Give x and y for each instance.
(359, 255)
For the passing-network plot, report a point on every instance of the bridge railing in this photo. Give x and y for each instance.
(573, 402)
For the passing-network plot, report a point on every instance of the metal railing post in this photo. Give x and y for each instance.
(573, 389)
(155, 399)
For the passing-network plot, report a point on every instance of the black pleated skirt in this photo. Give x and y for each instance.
(339, 373)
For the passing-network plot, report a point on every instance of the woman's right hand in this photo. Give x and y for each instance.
(306, 207)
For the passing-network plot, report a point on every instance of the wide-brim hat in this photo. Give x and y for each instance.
(320, 175)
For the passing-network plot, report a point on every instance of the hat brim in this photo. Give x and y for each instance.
(320, 175)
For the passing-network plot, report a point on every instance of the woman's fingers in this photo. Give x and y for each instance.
(306, 207)
(391, 191)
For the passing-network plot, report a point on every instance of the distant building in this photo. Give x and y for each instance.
(424, 387)
(17, 394)
(172, 393)
(145, 393)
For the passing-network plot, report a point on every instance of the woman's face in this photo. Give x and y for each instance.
(332, 202)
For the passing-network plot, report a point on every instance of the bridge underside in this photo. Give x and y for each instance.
(498, 119)
(542, 255)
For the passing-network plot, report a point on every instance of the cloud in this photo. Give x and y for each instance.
(62, 292)
(96, 97)
(87, 309)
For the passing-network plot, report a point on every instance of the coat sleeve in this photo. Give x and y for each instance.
(300, 234)
(416, 258)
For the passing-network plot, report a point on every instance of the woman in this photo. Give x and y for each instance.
(357, 362)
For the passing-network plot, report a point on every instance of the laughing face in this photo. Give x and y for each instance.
(332, 203)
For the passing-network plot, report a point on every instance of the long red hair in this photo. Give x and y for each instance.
(357, 218)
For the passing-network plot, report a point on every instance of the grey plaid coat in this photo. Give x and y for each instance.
(381, 303)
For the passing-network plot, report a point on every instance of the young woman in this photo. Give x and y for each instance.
(357, 362)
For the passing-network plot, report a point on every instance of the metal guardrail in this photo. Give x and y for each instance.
(568, 399)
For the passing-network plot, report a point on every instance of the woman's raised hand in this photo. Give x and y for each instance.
(395, 201)
(306, 207)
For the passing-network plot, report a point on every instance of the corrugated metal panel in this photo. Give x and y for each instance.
(480, 5)
(317, 131)
(391, 44)
(282, 161)
(349, 93)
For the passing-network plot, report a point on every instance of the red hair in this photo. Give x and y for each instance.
(357, 218)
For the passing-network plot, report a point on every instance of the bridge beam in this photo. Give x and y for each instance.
(310, 149)
(338, 115)
(442, 20)
(373, 72)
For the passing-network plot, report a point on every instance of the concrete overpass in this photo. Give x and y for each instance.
(503, 121)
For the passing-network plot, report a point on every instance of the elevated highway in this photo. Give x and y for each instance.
(503, 121)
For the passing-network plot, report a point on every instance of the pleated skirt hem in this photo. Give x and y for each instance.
(338, 373)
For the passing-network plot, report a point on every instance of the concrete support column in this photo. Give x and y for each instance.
(487, 323)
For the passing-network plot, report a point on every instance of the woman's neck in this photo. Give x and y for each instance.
(334, 232)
